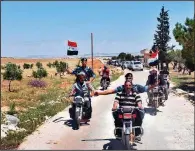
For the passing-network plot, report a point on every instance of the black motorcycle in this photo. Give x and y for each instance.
(81, 110)
(128, 130)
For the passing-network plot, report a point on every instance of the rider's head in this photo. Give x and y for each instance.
(84, 61)
(153, 72)
(128, 85)
(81, 76)
(129, 77)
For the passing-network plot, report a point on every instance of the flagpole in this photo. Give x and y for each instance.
(92, 49)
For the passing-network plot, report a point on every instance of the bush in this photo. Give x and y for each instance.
(39, 65)
(37, 83)
(31, 66)
(40, 73)
(56, 63)
(26, 66)
(49, 65)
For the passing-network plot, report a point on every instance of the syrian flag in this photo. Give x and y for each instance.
(72, 48)
(153, 60)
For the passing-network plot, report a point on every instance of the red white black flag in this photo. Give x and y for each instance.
(72, 48)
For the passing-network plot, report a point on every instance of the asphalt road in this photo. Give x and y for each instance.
(172, 127)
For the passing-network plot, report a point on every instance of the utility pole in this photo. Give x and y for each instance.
(92, 49)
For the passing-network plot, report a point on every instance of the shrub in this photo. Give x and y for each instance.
(40, 73)
(26, 66)
(37, 83)
(49, 65)
(31, 66)
(39, 65)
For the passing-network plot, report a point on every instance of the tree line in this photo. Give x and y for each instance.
(14, 72)
(126, 57)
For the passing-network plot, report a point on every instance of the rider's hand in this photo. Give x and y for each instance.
(96, 93)
(113, 109)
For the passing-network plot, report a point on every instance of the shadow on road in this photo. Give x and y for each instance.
(69, 122)
(113, 144)
(150, 110)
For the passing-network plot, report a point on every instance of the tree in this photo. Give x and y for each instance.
(122, 56)
(175, 55)
(61, 68)
(184, 35)
(39, 65)
(40, 73)
(12, 72)
(114, 58)
(161, 38)
(129, 57)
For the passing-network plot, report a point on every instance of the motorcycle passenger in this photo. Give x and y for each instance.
(83, 89)
(105, 73)
(125, 99)
(152, 80)
(90, 75)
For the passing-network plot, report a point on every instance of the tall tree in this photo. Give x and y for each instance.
(184, 34)
(161, 38)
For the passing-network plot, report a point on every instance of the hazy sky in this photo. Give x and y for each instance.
(43, 28)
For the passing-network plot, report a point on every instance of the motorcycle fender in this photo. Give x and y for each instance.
(77, 109)
(126, 127)
(127, 130)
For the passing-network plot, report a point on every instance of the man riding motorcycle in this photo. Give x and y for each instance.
(90, 75)
(125, 99)
(105, 73)
(156, 80)
(83, 89)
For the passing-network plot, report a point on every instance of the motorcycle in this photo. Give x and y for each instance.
(80, 110)
(104, 84)
(128, 130)
(166, 92)
(157, 98)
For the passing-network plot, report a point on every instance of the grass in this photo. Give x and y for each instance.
(184, 82)
(35, 101)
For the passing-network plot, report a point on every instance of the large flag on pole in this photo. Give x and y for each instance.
(153, 60)
(72, 48)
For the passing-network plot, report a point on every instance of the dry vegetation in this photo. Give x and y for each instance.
(34, 104)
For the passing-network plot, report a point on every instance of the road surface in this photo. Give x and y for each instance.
(172, 127)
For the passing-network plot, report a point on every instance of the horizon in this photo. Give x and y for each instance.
(43, 28)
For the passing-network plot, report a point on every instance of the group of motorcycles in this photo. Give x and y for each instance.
(127, 115)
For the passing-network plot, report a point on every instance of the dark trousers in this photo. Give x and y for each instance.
(137, 121)
(107, 78)
(87, 108)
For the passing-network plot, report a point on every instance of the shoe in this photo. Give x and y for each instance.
(138, 138)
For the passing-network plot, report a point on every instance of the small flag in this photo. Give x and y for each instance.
(72, 48)
(153, 60)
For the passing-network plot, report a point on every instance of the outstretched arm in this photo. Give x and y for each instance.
(106, 92)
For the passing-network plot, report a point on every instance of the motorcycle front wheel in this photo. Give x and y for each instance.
(77, 120)
(127, 142)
